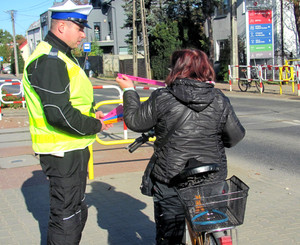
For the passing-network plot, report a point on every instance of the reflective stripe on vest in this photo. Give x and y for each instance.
(46, 138)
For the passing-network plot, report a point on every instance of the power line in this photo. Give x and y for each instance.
(8, 18)
(26, 15)
(37, 6)
(22, 27)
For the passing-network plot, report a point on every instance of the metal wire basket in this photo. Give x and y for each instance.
(216, 205)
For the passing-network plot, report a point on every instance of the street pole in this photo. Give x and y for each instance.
(145, 40)
(15, 46)
(134, 39)
(281, 29)
(234, 40)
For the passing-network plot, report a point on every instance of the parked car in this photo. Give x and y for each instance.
(6, 70)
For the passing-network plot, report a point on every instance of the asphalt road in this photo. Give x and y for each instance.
(273, 130)
(272, 125)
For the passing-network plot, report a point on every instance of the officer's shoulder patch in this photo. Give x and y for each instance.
(53, 53)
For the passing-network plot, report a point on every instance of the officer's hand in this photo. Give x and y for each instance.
(100, 115)
(105, 126)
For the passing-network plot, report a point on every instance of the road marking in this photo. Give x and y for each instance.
(293, 122)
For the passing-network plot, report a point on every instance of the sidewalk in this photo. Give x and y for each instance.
(118, 213)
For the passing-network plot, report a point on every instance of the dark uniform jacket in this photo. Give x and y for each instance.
(210, 127)
(49, 77)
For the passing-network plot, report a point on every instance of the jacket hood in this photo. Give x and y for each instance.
(194, 94)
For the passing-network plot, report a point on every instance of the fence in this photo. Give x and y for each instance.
(120, 95)
(11, 82)
(109, 102)
(14, 82)
(267, 73)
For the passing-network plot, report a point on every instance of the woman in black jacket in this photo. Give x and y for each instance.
(211, 126)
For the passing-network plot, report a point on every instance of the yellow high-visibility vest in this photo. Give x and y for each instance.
(47, 139)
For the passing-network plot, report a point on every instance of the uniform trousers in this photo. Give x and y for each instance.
(67, 182)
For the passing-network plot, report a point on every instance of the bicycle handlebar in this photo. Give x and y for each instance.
(140, 140)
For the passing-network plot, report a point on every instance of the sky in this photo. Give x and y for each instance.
(26, 12)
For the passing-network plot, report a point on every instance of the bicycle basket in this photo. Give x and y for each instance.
(215, 205)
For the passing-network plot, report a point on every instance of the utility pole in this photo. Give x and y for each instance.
(134, 39)
(15, 46)
(145, 40)
(281, 30)
(234, 39)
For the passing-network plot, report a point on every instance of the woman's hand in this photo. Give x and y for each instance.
(124, 82)
(99, 116)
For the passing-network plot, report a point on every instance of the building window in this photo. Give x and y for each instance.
(97, 33)
(123, 50)
(44, 31)
(220, 46)
(223, 8)
(110, 32)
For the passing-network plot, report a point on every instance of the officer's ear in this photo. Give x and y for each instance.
(57, 26)
(61, 26)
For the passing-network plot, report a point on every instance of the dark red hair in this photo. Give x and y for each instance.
(190, 63)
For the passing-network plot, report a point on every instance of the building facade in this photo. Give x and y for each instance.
(106, 21)
(283, 21)
(34, 35)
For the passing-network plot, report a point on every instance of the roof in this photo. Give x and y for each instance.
(23, 45)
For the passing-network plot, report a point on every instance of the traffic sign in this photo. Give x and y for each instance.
(260, 33)
(87, 47)
(1, 58)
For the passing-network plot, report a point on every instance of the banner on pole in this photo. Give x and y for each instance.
(260, 34)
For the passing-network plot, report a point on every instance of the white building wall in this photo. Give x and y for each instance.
(33, 35)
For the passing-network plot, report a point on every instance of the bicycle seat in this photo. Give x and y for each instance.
(194, 171)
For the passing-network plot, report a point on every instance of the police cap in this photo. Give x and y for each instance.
(68, 10)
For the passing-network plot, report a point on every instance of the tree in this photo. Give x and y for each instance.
(224, 59)
(20, 61)
(77, 52)
(208, 8)
(5, 37)
(190, 22)
(297, 16)
(163, 41)
(95, 50)
(5, 51)
(191, 16)
(128, 7)
(6, 41)
(20, 39)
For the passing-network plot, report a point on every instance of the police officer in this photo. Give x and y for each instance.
(63, 124)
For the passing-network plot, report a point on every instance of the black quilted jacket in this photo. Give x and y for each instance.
(210, 127)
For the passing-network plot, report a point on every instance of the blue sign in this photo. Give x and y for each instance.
(261, 40)
(260, 32)
(260, 27)
(1, 58)
(87, 47)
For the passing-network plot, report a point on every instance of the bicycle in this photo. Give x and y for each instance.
(245, 82)
(212, 210)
